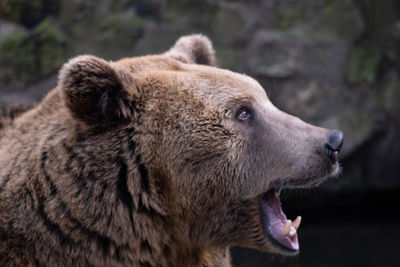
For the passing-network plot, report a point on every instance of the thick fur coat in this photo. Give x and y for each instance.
(150, 161)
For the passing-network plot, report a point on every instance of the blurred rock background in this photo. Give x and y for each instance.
(334, 63)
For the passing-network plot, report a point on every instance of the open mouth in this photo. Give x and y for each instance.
(277, 227)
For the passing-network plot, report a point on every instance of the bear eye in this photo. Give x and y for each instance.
(244, 114)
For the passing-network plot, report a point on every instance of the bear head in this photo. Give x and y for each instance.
(207, 147)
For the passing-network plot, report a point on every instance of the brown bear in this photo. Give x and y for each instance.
(161, 160)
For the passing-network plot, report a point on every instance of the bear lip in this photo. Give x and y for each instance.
(273, 219)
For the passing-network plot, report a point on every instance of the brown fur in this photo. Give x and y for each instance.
(9, 111)
(140, 162)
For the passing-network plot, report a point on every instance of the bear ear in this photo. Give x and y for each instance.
(195, 49)
(93, 90)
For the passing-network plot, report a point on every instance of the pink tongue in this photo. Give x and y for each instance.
(276, 219)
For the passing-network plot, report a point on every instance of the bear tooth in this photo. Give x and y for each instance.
(292, 231)
(296, 223)
(286, 227)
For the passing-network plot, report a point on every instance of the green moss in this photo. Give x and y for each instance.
(119, 30)
(17, 53)
(173, 12)
(50, 45)
(281, 22)
(341, 18)
(29, 56)
(329, 8)
(362, 64)
(285, 18)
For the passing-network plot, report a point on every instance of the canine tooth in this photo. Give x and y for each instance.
(286, 227)
(296, 223)
(292, 231)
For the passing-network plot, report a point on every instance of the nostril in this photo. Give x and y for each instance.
(334, 144)
(332, 154)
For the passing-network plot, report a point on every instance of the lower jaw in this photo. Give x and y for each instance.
(281, 249)
(273, 219)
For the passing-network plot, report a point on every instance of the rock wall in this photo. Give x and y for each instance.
(334, 63)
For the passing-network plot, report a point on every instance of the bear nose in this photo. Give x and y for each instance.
(334, 144)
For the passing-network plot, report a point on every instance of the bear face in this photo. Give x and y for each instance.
(196, 154)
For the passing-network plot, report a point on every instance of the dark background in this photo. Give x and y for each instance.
(334, 63)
